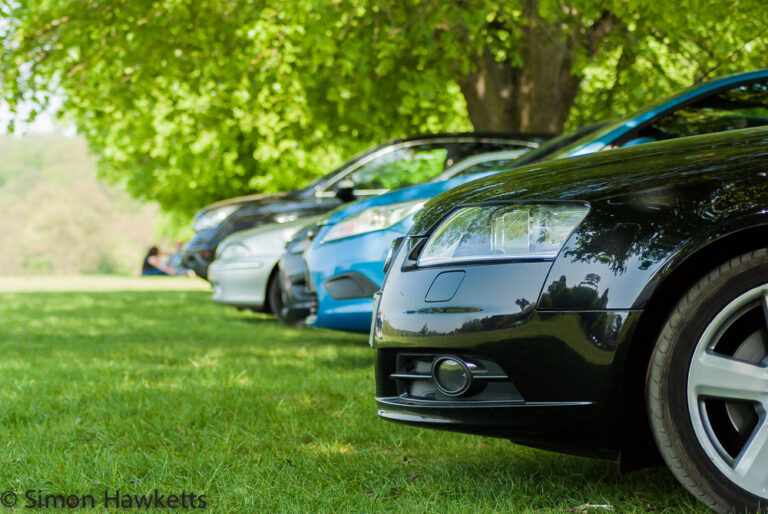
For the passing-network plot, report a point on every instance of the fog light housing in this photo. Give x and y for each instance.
(451, 375)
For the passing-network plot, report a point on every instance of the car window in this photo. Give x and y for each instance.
(736, 108)
(482, 167)
(419, 162)
(399, 168)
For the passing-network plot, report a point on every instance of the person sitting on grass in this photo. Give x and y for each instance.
(152, 265)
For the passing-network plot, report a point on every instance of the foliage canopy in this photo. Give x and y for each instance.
(189, 101)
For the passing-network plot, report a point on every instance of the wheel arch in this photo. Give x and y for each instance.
(684, 270)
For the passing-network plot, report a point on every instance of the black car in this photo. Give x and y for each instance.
(395, 164)
(595, 305)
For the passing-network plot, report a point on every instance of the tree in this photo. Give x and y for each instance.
(520, 64)
(189, 101)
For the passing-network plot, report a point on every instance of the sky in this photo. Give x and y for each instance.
(46, 122)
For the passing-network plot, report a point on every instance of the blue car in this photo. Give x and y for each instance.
(343, 259)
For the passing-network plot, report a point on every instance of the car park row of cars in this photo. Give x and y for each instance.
(603, 292)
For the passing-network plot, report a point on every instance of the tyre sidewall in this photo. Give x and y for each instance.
(684, 336)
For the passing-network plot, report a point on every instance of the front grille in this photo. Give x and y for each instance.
(413, 379)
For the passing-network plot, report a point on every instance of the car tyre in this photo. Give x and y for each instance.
(276, 303)
(707, 387)
(275, 293)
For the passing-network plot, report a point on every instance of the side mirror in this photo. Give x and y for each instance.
(345, 191)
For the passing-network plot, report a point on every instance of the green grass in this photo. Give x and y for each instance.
(143, 390)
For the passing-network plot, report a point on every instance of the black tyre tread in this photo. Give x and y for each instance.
(274, 305)
(275, 288)
(664, 434)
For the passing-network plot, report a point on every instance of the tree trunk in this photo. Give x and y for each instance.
(535, 97)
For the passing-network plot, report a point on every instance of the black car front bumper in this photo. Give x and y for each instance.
(198, 254)
(558, 381)
(299, 300)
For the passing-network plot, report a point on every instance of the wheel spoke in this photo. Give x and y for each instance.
(752, 464)
(723, 377)
(764, 305)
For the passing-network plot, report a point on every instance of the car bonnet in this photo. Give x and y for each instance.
(606, 174)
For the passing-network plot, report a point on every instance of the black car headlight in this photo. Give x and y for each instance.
(502, 232)
(212, 218)
(303, 238)
(298, 245)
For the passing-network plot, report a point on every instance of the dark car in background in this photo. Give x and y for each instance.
(395, 164)
(595, 305)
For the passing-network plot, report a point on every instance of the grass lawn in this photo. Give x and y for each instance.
(137, 390)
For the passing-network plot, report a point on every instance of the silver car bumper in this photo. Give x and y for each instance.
(241, 283)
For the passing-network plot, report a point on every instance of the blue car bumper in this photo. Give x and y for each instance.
(346, 273)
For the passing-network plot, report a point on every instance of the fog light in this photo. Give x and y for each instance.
(451, 375)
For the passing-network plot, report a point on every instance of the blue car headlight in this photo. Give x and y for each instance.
(502, 232)
(372, 219)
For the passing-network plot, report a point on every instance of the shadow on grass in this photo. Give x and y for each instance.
(310, 334)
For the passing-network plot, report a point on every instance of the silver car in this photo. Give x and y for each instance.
(244, 272)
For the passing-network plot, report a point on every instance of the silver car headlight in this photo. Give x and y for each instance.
(233, 251)
(213, 217)
(502, 232)
(372, 219)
